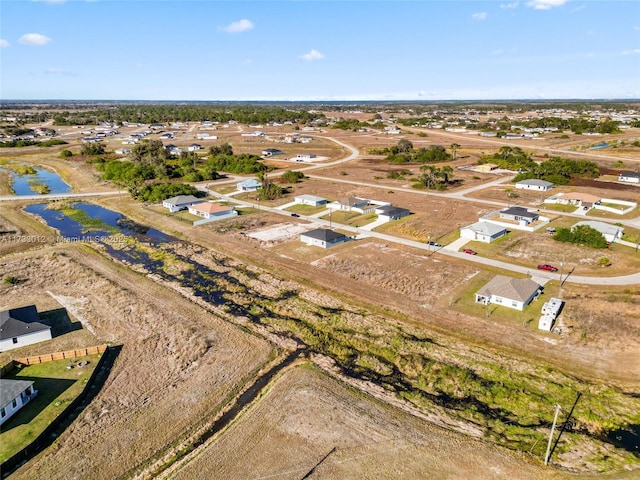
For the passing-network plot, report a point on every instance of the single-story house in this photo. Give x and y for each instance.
(509, 292)
(211, 210)
(519, 214)
(122, 151)
(20, 327)
(310, 200)
(14, 394)
(267, 152)
(535, 184)
(389, 212)
(631, 177)
(485, 232)
(250, 185)
(611, 233)
(207, 136)
(305, 157)
(194, 146)
(578, 199)
(323, 237)
(175, 204)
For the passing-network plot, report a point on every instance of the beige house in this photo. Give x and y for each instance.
(509, 292)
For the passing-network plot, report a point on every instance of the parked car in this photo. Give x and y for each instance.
(549, 268)
(469, 251)
(434, 244)
(295, 215)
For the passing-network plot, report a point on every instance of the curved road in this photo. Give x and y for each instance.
(354, 153)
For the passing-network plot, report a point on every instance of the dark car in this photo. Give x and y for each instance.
(295, 215)
(469, 251)
(547, 267)
(434, 244)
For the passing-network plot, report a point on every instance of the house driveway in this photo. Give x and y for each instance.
(372, 225)
(457, 244)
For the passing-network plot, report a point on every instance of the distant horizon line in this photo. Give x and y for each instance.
(470, 100)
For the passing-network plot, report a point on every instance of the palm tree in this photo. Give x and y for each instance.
(454, 148)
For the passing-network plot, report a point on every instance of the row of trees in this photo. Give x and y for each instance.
(163, 113)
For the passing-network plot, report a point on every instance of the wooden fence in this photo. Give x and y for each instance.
(50, 357)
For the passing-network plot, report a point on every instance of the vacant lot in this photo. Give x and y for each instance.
(307, 415)
(179, 364)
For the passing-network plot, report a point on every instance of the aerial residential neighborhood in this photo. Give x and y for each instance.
(310, 246)
(319, 240)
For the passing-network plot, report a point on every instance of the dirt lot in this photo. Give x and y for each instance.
(306, 415)
(175, 368)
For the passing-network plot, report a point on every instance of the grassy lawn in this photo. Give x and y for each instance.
(560, 208)
(351, 218)
(613, 216)
(306, 209)
(528, 318)
(57, 387)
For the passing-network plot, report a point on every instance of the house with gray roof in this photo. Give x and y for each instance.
(323, 238)
(485, 232)
(509, 292)
(389, 212)
(629, 177)
(534, 184)
(611, 233)
(519, 214)
(20, 327)
(14, 394)
(181, 202)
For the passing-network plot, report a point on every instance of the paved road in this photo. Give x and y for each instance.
(596, 280)
(57, 196)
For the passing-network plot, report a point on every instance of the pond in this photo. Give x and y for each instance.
(95, 222)
(23, 184)
(600, 145)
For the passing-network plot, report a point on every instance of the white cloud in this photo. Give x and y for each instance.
(4, 43)
(312, 55)
(635, 51)
(34, 39)
(510, 5)
(239, 26)
(479, 16)
(545, 4)
(49, 1)
(58, 71)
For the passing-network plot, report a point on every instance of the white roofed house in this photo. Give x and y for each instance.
(535, 184)
(509, 292)
(250, 185)
(194, 146)
(485, 232)
(310, 200)
(14, 394)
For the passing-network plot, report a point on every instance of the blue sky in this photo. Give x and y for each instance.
(319, 50)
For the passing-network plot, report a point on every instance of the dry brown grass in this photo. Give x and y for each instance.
(178, 364)
(306, 414)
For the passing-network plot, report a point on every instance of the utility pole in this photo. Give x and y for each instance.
(553, 427)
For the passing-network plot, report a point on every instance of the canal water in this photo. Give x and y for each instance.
(22, 184)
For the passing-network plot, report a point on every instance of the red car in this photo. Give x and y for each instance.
(469, 251)
(549, 268)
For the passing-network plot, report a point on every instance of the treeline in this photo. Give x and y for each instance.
(148, 114)
(355, 125)
(30, 143)
(556, 170)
